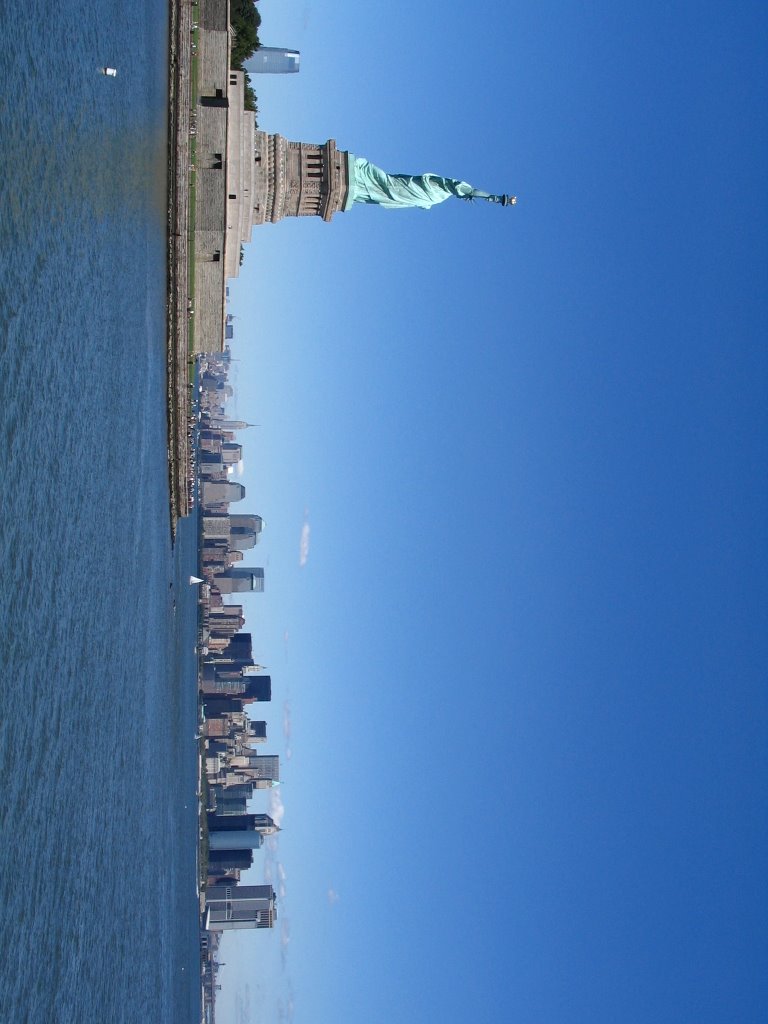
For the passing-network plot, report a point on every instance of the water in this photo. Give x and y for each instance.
(97, 748)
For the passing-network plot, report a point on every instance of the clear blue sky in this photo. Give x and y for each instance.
(526, 657)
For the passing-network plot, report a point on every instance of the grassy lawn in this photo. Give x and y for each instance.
(194, 71)
(193, 93)
(191, 248)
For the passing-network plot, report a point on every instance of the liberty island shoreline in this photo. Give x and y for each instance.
(223, 727)
(178, 228)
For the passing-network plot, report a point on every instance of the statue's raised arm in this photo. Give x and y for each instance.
(369, 184)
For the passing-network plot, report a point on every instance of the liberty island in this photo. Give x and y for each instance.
(226, 177)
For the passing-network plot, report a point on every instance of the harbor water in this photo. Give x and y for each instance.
(97, 735)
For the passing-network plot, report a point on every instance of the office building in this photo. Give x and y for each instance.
(230, 806)
(273, 60)
(222, 424)
(217, 493)
(245, 531)
(230, 907)
(244, 839)
(246, 690)
(257, 822)
(239, 580)
(258, 766)
(220, 861)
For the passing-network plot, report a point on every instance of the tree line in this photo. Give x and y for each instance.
(245, 21)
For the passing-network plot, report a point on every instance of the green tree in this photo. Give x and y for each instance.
(249, 98)
(245, 21)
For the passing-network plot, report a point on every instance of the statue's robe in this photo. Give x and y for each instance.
(369, 184)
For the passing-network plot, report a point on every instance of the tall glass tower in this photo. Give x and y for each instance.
(273, 60)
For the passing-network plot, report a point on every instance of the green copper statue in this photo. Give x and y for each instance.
(369, 184)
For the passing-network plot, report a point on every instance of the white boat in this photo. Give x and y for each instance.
(193, 580)
(109, 72)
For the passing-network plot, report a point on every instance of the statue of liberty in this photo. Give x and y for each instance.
(300, 179)
(369, 184)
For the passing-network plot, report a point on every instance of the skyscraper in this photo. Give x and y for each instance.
(239, 648)
(240, 906)
(255, 732)
(233, 822)
(231, 453)
(231, 806)
(243, 839)
(240, 580)
(244, 531)
(258, 766)
(253, 688)
(222, 424)
(221, 492)
(273, 60)
(220, 861)
(239, 831)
